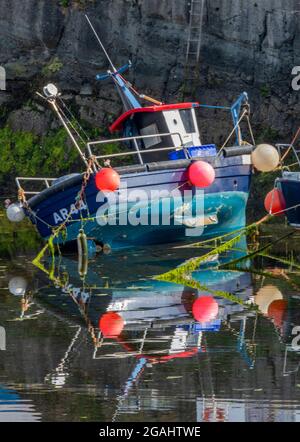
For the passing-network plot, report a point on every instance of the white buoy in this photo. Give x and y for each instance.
(265, 158)
(17, 286)
(15, 213)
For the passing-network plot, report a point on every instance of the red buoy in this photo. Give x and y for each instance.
(201, 174)
(205, 309)
(277, 310)
(111, 324)
(107, 179)
(274, 202)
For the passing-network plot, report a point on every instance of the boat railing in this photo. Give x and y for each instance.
(285, 147)
(46, 182)
(137, 150)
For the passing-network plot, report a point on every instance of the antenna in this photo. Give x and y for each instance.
(100, 43)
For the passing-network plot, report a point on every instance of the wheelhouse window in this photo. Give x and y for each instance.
(150, 130)
(187, 120)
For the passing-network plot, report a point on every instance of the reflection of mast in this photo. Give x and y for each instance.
(247, 348)
(179, 348)
(135, 374)
(208, 407)
(59, 376)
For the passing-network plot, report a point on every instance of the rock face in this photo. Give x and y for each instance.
(246, 45)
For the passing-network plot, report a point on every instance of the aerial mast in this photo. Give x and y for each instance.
(128, 99)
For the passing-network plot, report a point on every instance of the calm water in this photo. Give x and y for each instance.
(152, 360)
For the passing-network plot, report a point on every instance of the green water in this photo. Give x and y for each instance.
(153, 360)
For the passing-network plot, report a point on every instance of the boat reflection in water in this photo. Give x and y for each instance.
(14, 409)
(153, 350)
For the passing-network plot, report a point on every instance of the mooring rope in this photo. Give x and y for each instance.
(250, 129)
(291, 145)
(194, 263)
(233, 130)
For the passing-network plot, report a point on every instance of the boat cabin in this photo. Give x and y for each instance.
(162, 126)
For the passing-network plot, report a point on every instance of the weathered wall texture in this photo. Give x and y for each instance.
(247, 45)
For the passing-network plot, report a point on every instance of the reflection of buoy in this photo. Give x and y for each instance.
(265, 296)
(111, 324)
(82, 246)
(265, 158)
(201, 174)
(277, 310)
(15, 213)
(205, 309)
(274, 202)
(107, 179)
(17, 286)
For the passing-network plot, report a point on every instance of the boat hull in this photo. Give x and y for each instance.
(290, 187)
(222, 206)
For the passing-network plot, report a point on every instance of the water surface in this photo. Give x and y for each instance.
(118, 345)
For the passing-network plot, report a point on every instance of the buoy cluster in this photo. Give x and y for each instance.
(265, 158)
(204, 310)
(270, 302)
(200, 174)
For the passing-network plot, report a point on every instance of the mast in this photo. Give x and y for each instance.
(123, 87)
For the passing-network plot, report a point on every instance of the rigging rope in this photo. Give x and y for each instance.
(74, 118)
(291, 145)
(143, 96)
(72, 125)
(233, 130)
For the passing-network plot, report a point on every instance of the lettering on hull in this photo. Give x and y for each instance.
(63, 213)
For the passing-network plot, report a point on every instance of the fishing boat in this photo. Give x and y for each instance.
(170, 186)
(285, 197)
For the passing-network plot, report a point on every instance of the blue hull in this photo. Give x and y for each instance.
(224, 205)
(291, 192)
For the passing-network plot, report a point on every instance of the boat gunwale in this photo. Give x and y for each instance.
(130, 171)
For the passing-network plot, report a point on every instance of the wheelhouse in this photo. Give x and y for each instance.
(177, 120)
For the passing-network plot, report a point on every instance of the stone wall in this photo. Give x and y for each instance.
(247, 45)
